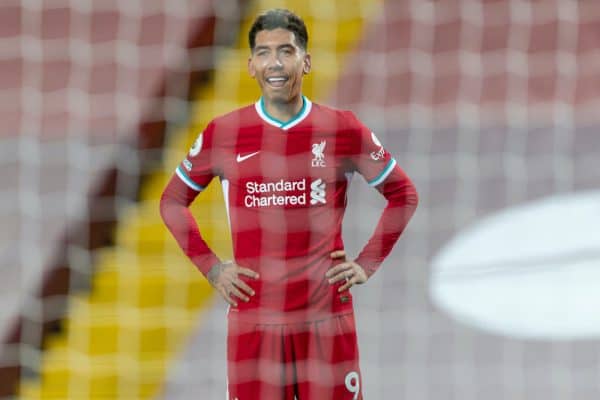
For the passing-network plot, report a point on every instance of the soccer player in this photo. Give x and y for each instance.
(285, 165)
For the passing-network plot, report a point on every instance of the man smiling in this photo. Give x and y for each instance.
(285, 164)
(279, 61)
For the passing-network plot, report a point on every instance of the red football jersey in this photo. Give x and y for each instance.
(285, 187)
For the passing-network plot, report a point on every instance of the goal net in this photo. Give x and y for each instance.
(487, 105)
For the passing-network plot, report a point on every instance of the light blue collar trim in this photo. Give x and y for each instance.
(295, 120)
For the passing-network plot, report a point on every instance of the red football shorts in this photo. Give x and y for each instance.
(305, 361)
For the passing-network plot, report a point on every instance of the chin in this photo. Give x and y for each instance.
(278, 97)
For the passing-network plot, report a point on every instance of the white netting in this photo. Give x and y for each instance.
(485, 104)
(83, 83)
(491, 106)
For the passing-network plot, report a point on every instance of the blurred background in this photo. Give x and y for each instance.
(487, 105)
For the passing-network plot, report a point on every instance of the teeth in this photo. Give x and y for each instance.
(279, 79)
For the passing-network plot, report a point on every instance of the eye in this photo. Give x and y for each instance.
(287, 51)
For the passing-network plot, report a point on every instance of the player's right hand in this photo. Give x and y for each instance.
(225, 278)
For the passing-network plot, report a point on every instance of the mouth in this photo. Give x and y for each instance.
(277, 81)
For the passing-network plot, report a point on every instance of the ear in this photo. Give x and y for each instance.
(251, 69)
(307, 64)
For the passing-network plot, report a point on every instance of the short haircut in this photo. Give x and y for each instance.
(279, 18)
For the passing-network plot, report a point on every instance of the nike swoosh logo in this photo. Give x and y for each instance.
(241, 158)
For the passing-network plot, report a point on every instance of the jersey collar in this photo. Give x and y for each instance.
(295, 120)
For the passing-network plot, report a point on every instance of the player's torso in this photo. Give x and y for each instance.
(287, 188)
(286, 195)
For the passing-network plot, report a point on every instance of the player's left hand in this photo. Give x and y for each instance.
(353, 273)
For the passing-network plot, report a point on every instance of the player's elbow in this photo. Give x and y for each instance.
(403, 194)
(412, 197)
(175, 197)
(169, 205)
(166, 206)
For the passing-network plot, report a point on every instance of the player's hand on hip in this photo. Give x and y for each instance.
(225, 278)
(350, 271)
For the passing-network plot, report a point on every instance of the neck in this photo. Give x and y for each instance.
(283, 111)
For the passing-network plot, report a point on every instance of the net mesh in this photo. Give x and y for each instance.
(84, 87)
(485, 104)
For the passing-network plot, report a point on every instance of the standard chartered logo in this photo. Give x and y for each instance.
(283, 193)
(317, 192)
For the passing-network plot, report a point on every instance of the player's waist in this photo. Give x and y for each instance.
(326, 307)
(292, 286)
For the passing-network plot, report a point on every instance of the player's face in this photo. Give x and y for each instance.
(278, 65)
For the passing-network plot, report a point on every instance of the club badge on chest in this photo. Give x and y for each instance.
(318, 150)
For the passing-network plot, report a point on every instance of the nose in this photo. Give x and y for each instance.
(275, 62)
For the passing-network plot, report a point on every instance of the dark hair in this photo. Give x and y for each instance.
(279, 18)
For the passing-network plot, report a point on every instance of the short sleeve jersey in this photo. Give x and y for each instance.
(285, 187)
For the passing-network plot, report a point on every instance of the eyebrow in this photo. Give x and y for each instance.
(281, 46)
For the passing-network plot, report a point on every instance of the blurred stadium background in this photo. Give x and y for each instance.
(486, 104)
